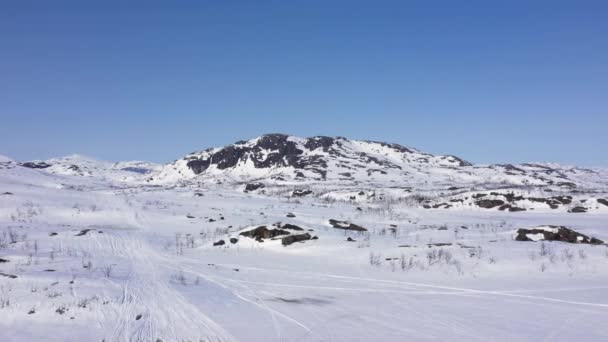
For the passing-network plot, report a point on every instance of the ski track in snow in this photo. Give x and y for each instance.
(166, 314)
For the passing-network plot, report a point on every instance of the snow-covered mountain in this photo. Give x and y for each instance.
(291, 160)
(337, 168)
(78, 165)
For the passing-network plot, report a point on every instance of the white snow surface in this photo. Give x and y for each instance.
(5, 159)
(100, 253)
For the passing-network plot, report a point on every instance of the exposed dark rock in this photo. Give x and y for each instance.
(291, 226)
(511, 167)
(263, 232)
(551, 202)
(563, 234)
(439, 244)
(83, 232)
(234, 240)
(190, 216)
(198, 165)
(346, 225)
(228, 157)
(349, 239)
(7, 193)
(290, 215)
(510, 197)
(35, 165)
(315, 142)
(301, 193)
(578, 209)
(3, 260)
(211, 220)
(288, 240)
(461, 162)
(602, 201)
(219, 243)
(53, 234)
(10, 276)
(254, 186)
(488, 204)
(314, 238)
(479, 195)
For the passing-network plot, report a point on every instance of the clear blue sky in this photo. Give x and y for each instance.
(490, 81)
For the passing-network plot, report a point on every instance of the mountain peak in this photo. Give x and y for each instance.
(285, 157)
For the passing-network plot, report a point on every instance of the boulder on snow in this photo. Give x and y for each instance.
(262, 232)
(254, 186)
(291, 226)
(288, 240)
(301, 193)
(578, 209)
(35, 165)
(489, 204)
(554, 233)
(219, 243)
(346, 225)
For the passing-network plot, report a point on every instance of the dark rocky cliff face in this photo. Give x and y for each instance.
(271, 150)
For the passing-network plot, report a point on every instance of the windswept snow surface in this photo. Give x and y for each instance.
(102, 256)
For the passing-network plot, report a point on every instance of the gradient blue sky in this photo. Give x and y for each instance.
(490, 81)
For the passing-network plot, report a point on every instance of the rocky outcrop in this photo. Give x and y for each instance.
(489, 204)
(35, 165)
(254, 186)
(262, 232)
(554, 233)
(346, 225)
(288, 240)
